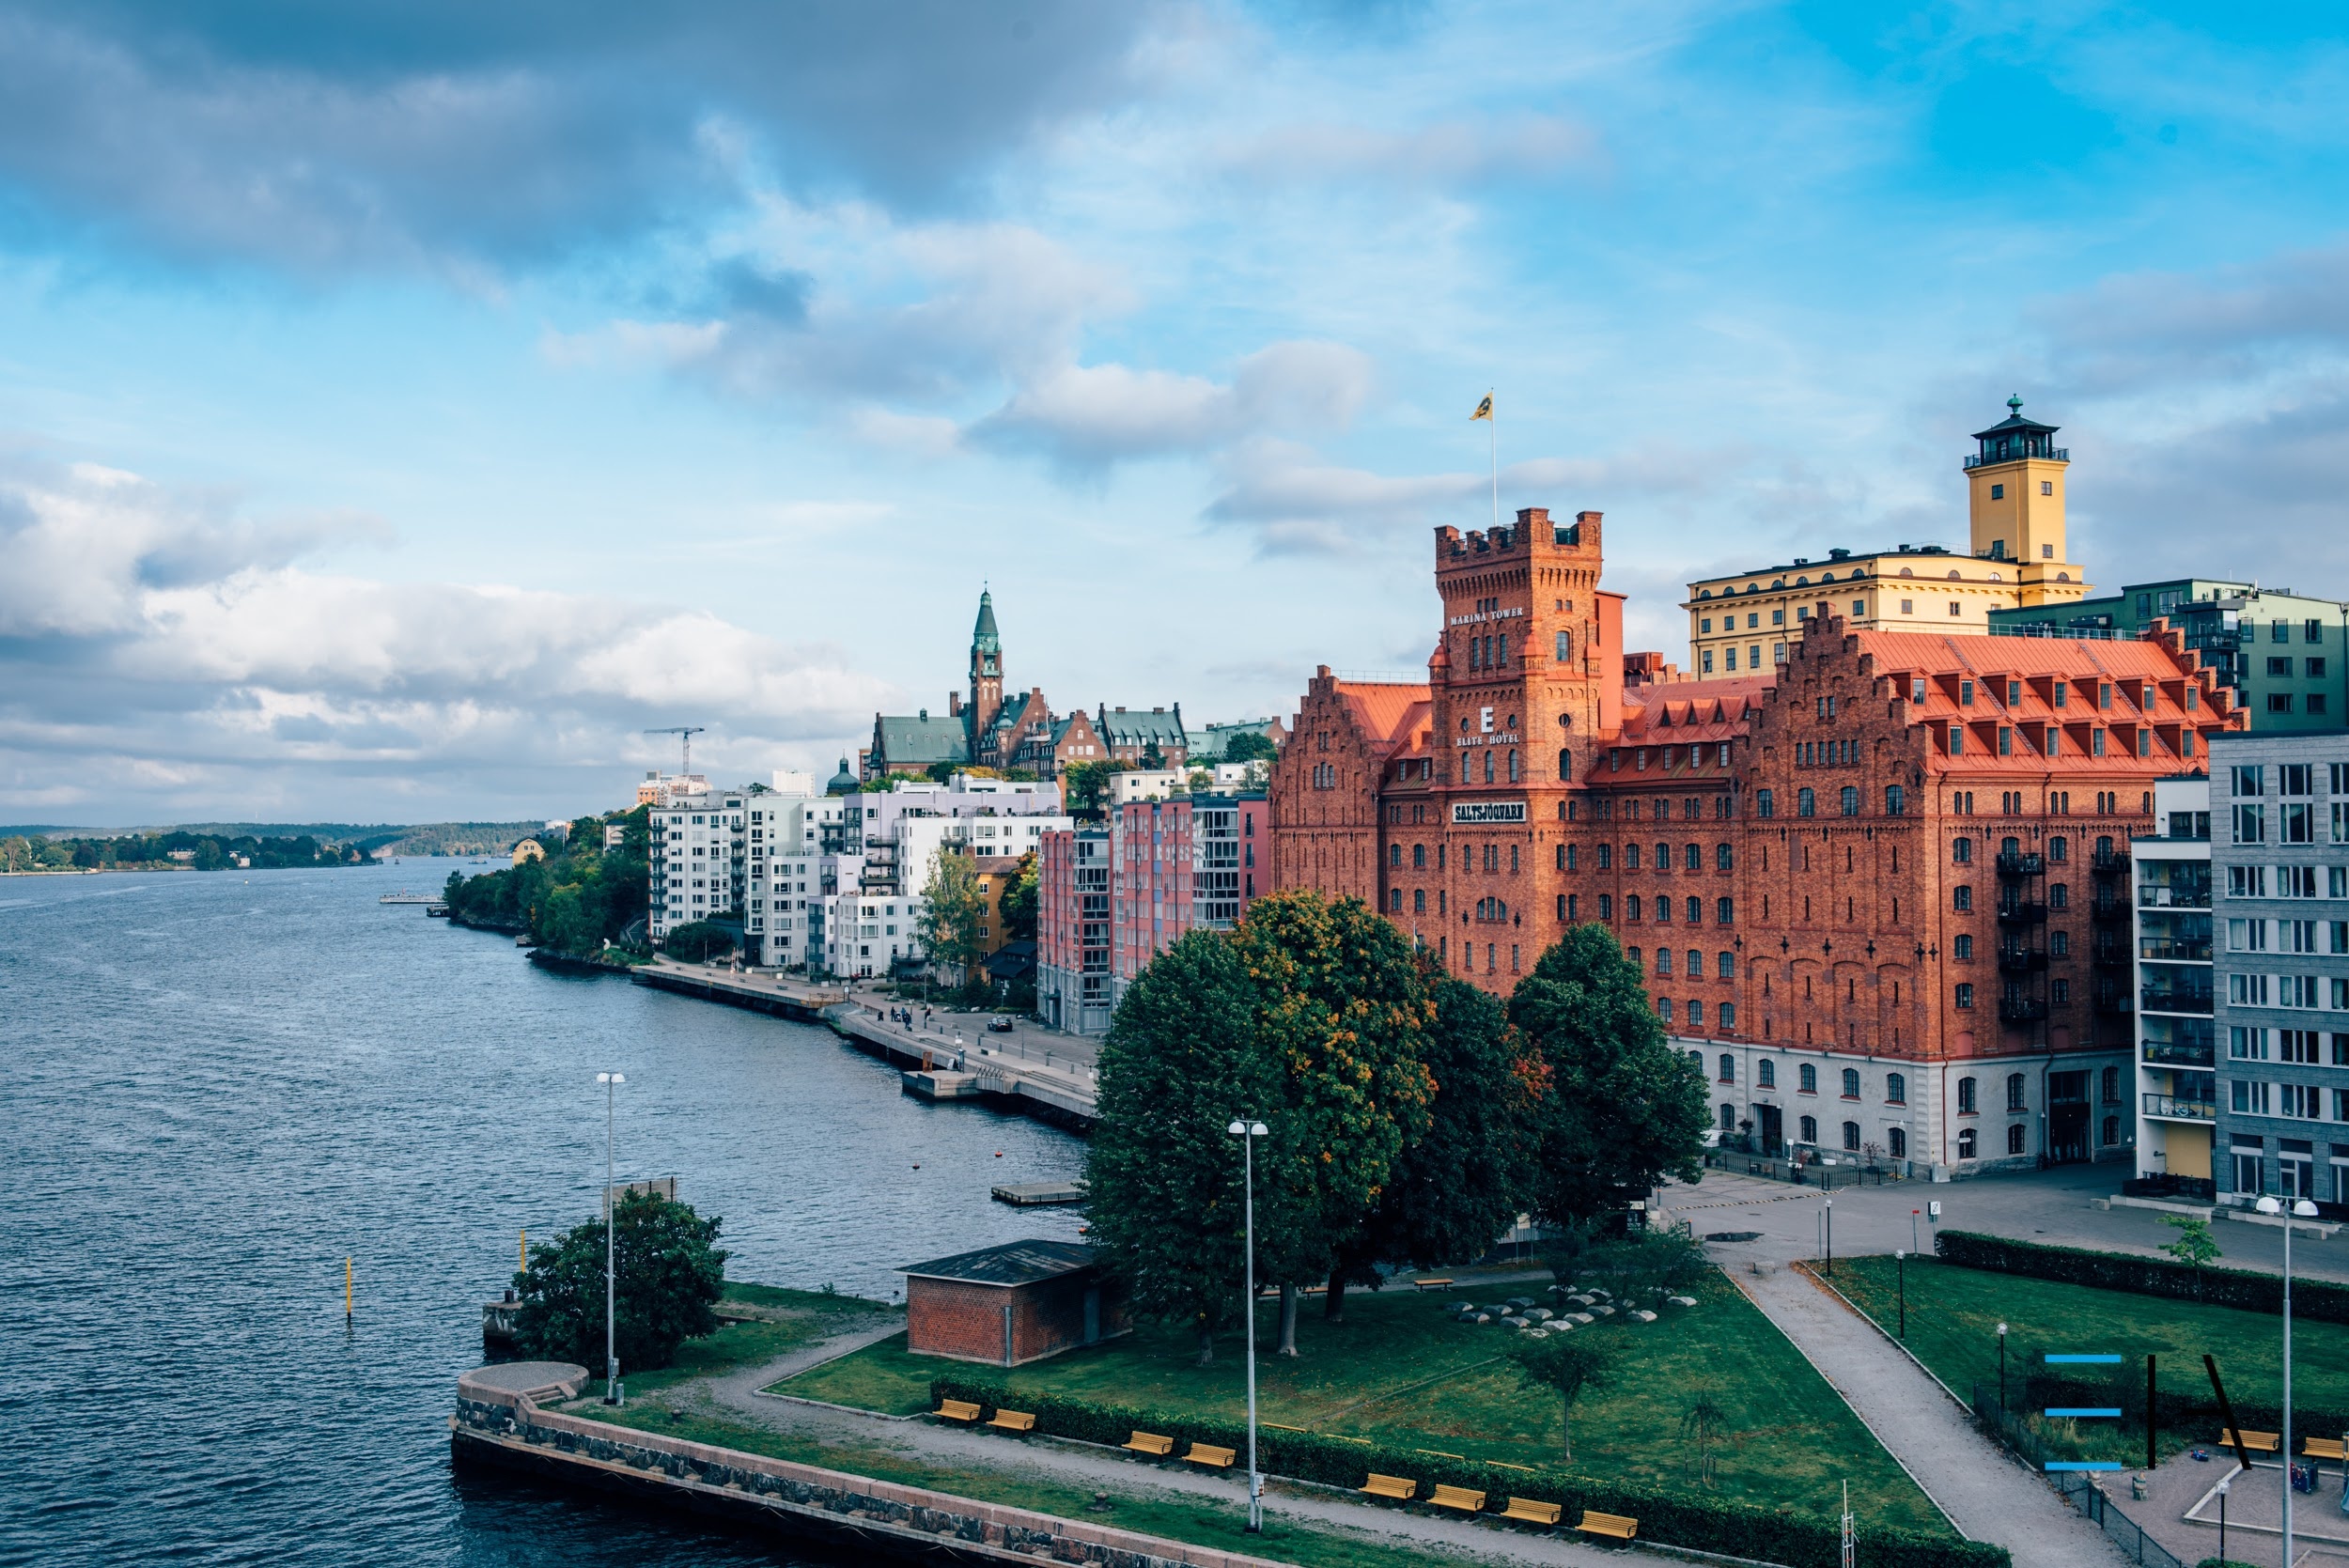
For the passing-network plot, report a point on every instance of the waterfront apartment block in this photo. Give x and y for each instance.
(1864, 887)
(696, 867)
(793, 843)
(1744, 622)
(2167, 985)
(2285, 655)
(2280, 873)
(1112, 898)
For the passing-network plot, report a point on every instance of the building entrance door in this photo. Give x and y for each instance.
(1773, 1129)
(2067, 1118)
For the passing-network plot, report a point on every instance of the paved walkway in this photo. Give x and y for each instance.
(1988, 1494)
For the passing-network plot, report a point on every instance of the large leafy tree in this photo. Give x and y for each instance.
(1342, 1022)
(1568, 1365)
(1162, 1174)
(668, 1273)
(1018, 904)
(951, 910)
(1250, 746)
(1462, 1184)
(1619, 1109)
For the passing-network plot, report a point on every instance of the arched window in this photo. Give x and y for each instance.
(1696, 1060)
(1965, 1143)
(1631, 906)
(2058, 848)
(1664, 1008)
(1464, 768)
(2059, 896)
(2112, 1130)
(1663, 960)
(1896, 801)
(1898, 1138)
(1851, 1083)
(1696, 1013)
(1807, 1077)
(1965, 1106)
(1663, 856)
(2112, 1084)
(1488, 767)
(1767, 1074)
(2016, 1092)
(1394, 901)
(1692, 856)
(1513, 767)
(1961, 898)
(1809, 1129)
(1851, 799)
(1851, 1136)
(1962, 852)
(1419, 856)
(1806, 801)
(1895, 1088)
(1419, 901)
(1724, 859)
(1565, 764)
(1631, 857)
(1729, 1118)
(1729, 1069)
(2014, 1138)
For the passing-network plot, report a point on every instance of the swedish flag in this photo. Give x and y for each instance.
(1484, 409)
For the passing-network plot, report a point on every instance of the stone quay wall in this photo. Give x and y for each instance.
(498, 1426)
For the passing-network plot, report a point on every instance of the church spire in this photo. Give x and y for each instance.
(983, 634)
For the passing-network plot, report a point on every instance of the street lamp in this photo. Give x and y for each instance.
(1248, 1132)
(2300, 1208)
(2001, 1369)
(611, 1392)
(1830, 1235)
(1900, 1276)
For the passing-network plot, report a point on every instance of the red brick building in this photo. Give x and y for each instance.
(1007, 1305)
(1879, 892)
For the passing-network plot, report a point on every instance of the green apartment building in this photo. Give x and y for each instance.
(2286, 654)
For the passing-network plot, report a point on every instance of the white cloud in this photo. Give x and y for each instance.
(1438, 155)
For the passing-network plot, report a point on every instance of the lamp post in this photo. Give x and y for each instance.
(1830, 1235)
(611, 1394)
(2299, 1208)
(1900, 1277)
(2001, 1369)
(1248, 1132)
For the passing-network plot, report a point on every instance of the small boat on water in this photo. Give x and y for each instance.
(404, 896)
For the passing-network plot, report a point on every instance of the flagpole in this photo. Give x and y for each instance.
(1493, 419)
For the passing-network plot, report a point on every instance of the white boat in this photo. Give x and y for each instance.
(404, 896)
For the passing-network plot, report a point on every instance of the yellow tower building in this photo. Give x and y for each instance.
(2016, 506)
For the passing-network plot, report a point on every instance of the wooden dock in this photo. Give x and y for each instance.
(1022, 1195)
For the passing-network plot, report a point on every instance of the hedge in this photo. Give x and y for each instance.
(1668, 1518)
(2318, 1300)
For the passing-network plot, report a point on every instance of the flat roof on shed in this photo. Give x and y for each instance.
(1015, 1262)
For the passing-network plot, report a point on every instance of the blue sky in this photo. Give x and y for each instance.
(401, 407)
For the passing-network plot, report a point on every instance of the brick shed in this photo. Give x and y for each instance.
(1018, 1302)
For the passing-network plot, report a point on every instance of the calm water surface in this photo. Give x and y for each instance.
(217, 1087)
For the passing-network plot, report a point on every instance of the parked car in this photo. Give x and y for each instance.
(999, 1024)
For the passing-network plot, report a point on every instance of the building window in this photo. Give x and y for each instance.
(1965, 1143)
(2014, 1138)
(1763, 805)
(1806, 1079)
(2016, 1085)
(1851, 1083)
(1727, 965)
(1729, 1069)
(1896, 801)
(1606, 905)
(1961, 898)
(1810, 1129)
(1851, 1137)
(1965, 995)
(1664, 1008)
(1895, 1088)
(1898, 1139)
(1729, 1118)
(1631, 906)
(1419, 901)
(1729, 1022)
(1851, 801)
(1998, 492)
(1394, 901)
(2112, 1086)
(1767, 1074)
(1806, 802)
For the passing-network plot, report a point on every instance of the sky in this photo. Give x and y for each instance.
(404, 407)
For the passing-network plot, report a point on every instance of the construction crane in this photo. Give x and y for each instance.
(685, 733)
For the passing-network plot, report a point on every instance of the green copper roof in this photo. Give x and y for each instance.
(983, 635)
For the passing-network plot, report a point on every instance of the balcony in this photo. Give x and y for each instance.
(2176, 999)
(2170, 1108)
(2189, 950)
(2170, 1053)
(2111, 953)
(2017, 960)
(2022, 865)
(2021, 1010)
(2109, 907)
(2113, 1002)
(2110, 860)
(2016, 912)
(2164, 897)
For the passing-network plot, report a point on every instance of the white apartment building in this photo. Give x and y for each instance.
(862, 935)
(2170, 990)
(793, 848)
(696, 867)
(900, 831)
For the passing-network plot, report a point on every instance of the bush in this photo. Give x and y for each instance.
(1668, 1518)
(668, 1274)
(698, 943)
(2317, 1299)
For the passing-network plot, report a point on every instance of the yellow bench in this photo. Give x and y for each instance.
(2258, 1442)
(957, 1410)
(2324, 1448)
(1014, 1420)
(1151, 1443)
(1208, 1453)
(1533, 1513)
(1459, 1498)
(1429, 1285)
(1611, 1525)
(1395, 1486)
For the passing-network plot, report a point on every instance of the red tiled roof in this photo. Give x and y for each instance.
(1391, 712)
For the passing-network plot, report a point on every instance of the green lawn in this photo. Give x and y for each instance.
(788, 1319)
(1205, 1522)
(1953, 1315)
(1399, 1371)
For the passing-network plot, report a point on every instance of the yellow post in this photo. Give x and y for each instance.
(346, 1287)
(522, 1264)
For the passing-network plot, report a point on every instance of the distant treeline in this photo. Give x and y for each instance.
(161, 851)
(576, 899)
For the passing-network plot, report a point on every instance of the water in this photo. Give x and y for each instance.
(213, 1088)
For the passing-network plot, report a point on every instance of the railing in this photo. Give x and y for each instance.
(2020, 961)
(2115, 1004)
(2110, 860)
(2180, 1109)
(2108, 908)
(2021, 1010)
(2057, 631)
(2170, 1053)
(2018, 913)
(2163, 896)
(2078, 1489)
(2174, 1000)
(2110, 953)
(2058, 454)
(2022, 865)
(2176, 950)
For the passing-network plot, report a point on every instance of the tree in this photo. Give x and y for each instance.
(1342, 1018)
(2195, 1246)
(1250, 746)
(1619, 1109)
(1082, 784)
(1568, 1365)
(1162, 1174)
(1018, 904)
(667, 1274)
(951, 910)
(1463, 1183)
(697, 941)
(943, 773)
(1701, 1426)
(1152, 758)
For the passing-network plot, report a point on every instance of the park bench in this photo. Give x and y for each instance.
(1395, 1486)
(1459, 1498)
(2258, 1442)
(1533, 1513)
(1208, 1453)
(1015, 1420)
(1611, 1525)
(957, 1410)
(2325, 1448)
(1429, 1285)
(1151, 1443)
